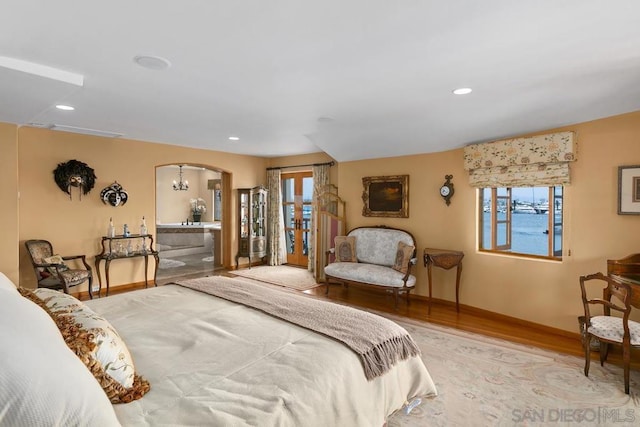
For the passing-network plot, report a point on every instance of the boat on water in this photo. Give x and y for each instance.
(487, 208)
(542, 208)
(523, 209)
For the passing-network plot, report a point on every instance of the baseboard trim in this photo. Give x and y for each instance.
(503, 317)
(84, 295)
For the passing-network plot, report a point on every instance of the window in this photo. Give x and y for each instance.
(523, 221)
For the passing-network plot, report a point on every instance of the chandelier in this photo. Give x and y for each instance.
(182, 185)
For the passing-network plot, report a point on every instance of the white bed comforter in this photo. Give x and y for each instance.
(211, 362)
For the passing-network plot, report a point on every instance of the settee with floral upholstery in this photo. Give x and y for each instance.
(377, 257)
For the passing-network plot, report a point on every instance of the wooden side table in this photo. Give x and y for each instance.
(108, 254)
(446, 259)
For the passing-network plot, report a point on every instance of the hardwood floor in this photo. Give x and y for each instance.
(471, 320)
(444, 313)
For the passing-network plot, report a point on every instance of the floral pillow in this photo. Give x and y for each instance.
(55, 259)
(403, 257)
(96, 342)
(345, 249)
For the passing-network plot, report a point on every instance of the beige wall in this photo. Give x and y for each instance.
(75, 226)
(9, 201)
(540, 291)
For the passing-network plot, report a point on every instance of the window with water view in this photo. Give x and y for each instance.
(522, 221)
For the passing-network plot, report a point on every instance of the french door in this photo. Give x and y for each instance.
(297, 197)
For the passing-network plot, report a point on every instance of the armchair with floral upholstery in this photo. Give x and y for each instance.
(51, 270)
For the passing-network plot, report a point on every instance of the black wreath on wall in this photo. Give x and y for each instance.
(74, 174)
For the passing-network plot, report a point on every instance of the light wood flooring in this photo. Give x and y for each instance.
(468, 319)
(472, 320)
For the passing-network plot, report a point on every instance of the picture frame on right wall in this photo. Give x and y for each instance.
(629, 190)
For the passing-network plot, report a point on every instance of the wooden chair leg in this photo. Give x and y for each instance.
(626, 361)
(90, 286)
(587, 354)
(604, 352)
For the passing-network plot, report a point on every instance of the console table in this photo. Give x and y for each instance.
(110, 253)
(446, 259)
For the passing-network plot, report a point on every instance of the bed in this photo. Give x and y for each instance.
(211, 361)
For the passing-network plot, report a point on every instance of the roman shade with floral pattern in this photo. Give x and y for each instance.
(541, 160)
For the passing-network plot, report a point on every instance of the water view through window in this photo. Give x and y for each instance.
(522, 220)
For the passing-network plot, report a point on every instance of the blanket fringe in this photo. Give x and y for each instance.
(380, 358)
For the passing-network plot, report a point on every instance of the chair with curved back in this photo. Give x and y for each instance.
(51, 270)
(617, 296)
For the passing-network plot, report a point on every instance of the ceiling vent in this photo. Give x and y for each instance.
(85, 131)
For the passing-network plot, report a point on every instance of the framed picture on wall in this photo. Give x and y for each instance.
(629, 190)
(386, 196)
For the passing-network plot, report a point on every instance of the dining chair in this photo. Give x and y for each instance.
(619, 330)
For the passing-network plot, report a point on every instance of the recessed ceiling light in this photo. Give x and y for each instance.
(462, 91)
(152, 62)
(234, 138)
(65, 107)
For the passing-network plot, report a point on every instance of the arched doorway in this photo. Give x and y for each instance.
(192, 217)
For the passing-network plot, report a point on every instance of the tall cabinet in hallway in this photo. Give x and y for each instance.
(252, 224)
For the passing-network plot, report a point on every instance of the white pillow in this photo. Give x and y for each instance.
(6, 283)
(109, 361)
(42, 383)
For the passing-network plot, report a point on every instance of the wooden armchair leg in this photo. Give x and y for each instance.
(90, 286)
(626, 361)
(587, 354)
(604, 352)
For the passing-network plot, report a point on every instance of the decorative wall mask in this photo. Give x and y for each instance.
(74, 174)
(114, 195)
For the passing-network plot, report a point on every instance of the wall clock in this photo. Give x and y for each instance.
(446, 191)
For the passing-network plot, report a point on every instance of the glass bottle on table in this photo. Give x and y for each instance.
(111, 231)
(143, 227)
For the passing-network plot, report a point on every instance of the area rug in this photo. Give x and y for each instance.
(484, 381)
(281, 275)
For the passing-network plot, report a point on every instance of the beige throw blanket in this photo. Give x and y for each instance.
(379, 342)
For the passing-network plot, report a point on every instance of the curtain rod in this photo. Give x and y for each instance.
(299, 166)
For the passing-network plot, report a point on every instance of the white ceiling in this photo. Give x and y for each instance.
(354, 78)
